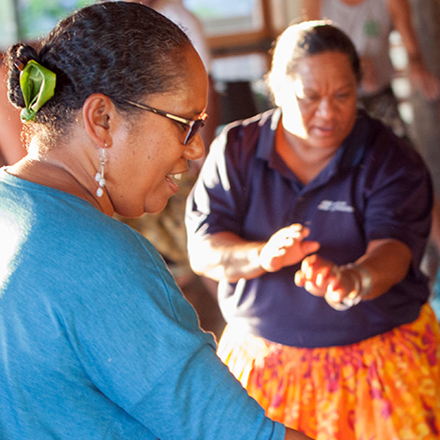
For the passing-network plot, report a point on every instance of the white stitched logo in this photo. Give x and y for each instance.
(328, 205)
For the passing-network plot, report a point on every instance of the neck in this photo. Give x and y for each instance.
(304, 161)
(74, 178)
(305, 152)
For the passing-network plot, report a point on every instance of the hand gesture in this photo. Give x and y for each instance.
(286, 247)
(323, 278)
(424, 81)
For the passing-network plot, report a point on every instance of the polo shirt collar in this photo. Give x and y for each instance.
(266, 140)
(349, 154)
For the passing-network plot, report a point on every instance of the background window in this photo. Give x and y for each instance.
(30, 20)
(228, 16)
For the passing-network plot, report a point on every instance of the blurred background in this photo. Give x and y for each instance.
(239, 34)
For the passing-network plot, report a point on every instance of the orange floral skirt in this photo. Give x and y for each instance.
(384, 388)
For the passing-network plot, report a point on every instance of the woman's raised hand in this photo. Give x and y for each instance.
(286, 247)
(321, 277)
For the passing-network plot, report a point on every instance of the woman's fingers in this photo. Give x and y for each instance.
(316, 275)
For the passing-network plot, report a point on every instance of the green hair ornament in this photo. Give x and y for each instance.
(38, 86)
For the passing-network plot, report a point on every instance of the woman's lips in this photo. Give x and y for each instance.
(325, 130)
(170, 178)
(170, 182)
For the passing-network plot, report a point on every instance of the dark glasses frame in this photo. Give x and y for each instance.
(194, 125)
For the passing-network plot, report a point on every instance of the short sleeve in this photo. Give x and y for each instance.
(218, 200)
(149, 356)
(399, 196)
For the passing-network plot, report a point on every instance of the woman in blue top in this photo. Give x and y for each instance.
(336, 343)
(97, 341)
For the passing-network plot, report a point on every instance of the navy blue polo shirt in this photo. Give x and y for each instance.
(375, 187)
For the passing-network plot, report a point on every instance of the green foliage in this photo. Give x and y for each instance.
(39, 17)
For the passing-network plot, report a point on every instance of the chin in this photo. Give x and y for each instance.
(132, 211)
(326, 142)
(155, 208)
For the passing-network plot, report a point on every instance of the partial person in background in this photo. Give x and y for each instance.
(166, 230)
(11, 145)
(369, 23)
(97, 341)
(336, 343)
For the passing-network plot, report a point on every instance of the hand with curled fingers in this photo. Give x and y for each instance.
(423, 80)
(340, 286)
(286, 247)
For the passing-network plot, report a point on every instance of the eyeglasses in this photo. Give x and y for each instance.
(194, 124)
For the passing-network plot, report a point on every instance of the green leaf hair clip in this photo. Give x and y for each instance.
(38, 86)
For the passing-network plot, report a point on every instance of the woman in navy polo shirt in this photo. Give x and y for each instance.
(314, 217)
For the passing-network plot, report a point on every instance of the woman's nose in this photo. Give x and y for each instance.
(326, 108)
(195, 149)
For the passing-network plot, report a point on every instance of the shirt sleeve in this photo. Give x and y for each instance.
(140, 343)
(218, 200)
(200, 399)
(399, 196)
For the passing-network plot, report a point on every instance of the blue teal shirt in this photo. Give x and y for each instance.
(96, 340)
(375, 187)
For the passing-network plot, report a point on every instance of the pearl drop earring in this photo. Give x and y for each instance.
(99, 177)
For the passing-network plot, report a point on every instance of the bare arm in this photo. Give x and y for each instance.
(419, 74)
(400, 13)
(225, 255)
(291, 434)
(387, 261)
(311, 9)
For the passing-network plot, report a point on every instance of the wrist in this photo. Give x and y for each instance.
(264, 259)
(363, 282)
(362, 285)
(415, 63)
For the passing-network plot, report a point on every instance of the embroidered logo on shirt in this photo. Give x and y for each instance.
(341, 206)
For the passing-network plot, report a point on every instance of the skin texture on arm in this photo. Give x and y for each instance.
(386, 260)
(295, 435)
(226, 255)
(400, 12)
(419, 75)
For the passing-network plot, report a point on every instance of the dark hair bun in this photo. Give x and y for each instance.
(124, 50)
(16, 58)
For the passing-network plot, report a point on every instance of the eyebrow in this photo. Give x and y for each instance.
(340, 89)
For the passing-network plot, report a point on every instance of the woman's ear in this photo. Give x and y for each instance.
(100, 116)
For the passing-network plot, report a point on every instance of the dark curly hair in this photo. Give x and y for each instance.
(123, 50)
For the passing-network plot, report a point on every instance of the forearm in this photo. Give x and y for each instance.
(400, 12)
(388, 262)
(295, 435)
(225, 255)
(385, 263)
